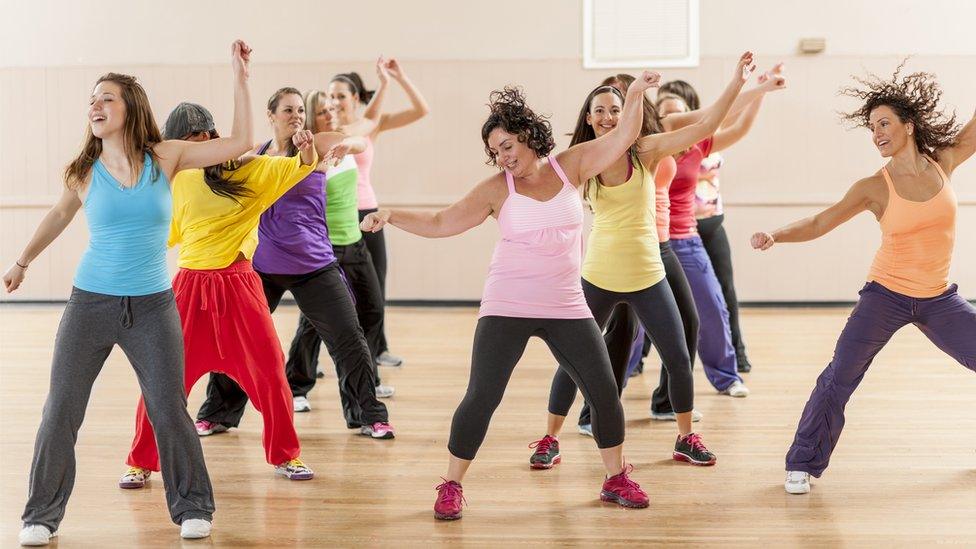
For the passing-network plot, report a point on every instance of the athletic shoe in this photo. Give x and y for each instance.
(546, 453)
(206, 428)
(294, 469)
(450, 498)
(696, 416)
(621, 490)
(797, 482)
(384, 391)
(380, 429)
(135, 477)
(35, 535)
(319, 372)
(737, 389)
(743, 365)
(301, 404)
(585, 430)
(195, 529)
(690, 448)
(386, 359)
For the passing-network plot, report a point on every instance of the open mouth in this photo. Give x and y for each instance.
(883, 143)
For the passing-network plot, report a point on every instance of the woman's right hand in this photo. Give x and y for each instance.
(381, 71)
(745, 66)
(646, 81)
(773, 79)
(762, 241)
(13, 277)
(240, 59)
(374, 222)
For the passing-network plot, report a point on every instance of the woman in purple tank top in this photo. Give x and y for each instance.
(533, 286)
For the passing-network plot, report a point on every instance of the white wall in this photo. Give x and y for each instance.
(797, 159)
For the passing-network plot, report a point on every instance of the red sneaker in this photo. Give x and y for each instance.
(450, 498)
(621, 490)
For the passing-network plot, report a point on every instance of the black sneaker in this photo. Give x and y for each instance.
(546, 453)
(690, 448)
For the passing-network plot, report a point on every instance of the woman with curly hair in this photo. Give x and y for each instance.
(908, 282)
(533, 286)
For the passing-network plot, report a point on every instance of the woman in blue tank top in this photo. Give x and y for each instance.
(122, 295)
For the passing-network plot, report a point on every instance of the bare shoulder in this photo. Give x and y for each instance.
(492, 190)
(872, 192)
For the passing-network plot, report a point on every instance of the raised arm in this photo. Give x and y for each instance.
(374, 109)
(773, 80)
(585, 160)
(418, 105)
(53, 224)
(965, 146)
(862, 196)
(469, 212)
(188, 154)
(651, 148)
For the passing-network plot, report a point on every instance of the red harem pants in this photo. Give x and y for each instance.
(227, 328)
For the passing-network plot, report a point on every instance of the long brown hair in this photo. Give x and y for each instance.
(139, 133)
(273, 107)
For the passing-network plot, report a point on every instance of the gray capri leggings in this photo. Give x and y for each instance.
(147, 328)
(498, 345)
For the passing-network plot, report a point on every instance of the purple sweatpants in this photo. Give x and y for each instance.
(947, 320)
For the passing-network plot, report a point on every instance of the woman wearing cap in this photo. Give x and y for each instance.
(226, 323)
(122, 295)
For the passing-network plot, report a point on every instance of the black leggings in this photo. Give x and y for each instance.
(376, 244)
(324, 299)
(498, 345)
(621, 338)
(717, 247)
(657, 310)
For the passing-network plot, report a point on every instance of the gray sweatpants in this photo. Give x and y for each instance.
(147, 328)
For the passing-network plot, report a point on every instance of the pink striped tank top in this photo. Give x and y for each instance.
(535, 270)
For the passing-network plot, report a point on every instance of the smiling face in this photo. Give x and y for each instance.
(288, 116)
(342, 99)
(509, 153)
(106, 111)
(888, 132)
(604, 113)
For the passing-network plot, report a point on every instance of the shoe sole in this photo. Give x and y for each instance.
(39, 543)
(678, 456)
(610, 497)
(132, 485)
(441, 516)
(211, 432)
(797, 492)
(555, 461)
(386, 436)
(299, 476)
(302, 410)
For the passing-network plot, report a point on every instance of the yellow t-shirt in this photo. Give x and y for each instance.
(211, 229)
(622, 252)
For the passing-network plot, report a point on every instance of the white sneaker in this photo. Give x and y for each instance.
(797, 482)
(384, 391)
(386, 359)
(585, 430)
(35, 535)
(195, 529)
(301, 404)
(696, 416)
(737, 390)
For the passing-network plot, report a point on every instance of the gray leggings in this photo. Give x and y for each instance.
(498, 345)
(147, 328)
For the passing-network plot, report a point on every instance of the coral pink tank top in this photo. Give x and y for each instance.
(364, 188)
(664, 173)
(535, 270)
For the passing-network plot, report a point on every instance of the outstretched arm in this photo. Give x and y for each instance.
(53, 224)
(469, 212)
(332, 146)
(858, 199)
(965, 146)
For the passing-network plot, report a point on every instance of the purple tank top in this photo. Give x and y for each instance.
(292, 236)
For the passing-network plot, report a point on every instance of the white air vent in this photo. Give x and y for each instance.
(640, 33)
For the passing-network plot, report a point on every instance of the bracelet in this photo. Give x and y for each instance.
(19, 265)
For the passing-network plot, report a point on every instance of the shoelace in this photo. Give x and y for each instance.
(695, 441)
(628, 486)
(543, 445)
(449, 491)
(296, 464)
(135, 471)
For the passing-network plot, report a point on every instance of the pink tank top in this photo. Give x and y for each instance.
(664, 173)
(682, 193)
(364, 189)
(535, 270)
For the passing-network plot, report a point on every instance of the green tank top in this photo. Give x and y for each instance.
(342, 202)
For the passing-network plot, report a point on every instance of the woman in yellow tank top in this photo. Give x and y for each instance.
(908, 282)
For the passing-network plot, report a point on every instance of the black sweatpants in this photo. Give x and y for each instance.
(498, 345)
(716, 243)
(376, 244)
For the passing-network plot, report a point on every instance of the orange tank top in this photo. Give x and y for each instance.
(916, 241)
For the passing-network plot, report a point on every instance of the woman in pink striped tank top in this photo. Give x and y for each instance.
(533, 286)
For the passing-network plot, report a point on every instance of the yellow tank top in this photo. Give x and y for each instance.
(916, 241)
(622, 252)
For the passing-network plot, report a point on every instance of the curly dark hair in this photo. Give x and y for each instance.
(914, 98)
(509, 112)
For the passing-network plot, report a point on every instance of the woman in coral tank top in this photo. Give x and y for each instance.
(908, 282)
(533, 286)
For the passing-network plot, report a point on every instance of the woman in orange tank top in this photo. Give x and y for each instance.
(908, 282)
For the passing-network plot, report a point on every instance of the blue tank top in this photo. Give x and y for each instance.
(126, 254)
(292, 237)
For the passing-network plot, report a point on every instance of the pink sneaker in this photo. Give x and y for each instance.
(621, 490)
(207, 428)
(377, 430)
(450, 498)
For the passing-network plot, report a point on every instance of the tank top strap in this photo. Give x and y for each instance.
(887, 178)
(510, 181)
(945, 178)
(559, 170)
(264, 148)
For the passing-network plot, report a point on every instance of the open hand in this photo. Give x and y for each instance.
(745, 66)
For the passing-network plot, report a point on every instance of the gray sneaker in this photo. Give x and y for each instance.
(696, 416)
(585, 430)
(384, 391)
(387, 359)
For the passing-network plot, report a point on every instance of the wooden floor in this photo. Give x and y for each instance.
(903, 474)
